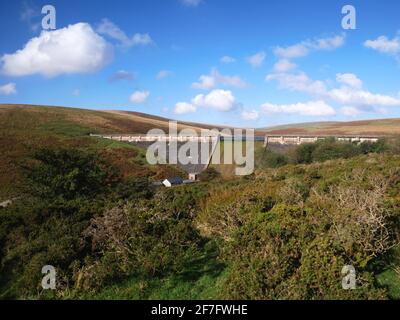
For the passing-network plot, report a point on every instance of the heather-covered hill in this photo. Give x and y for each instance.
(24, 129)
(381, 127)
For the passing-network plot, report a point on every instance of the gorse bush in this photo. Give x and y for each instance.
(323, 150)
(283, 233)
(141, 239)
(289, 238)
(69, 173)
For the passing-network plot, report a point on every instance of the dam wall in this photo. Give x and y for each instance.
(297, 140)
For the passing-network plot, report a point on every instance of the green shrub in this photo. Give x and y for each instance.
(272, 159)
(70, 173)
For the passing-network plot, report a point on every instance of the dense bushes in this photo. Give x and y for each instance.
(272, 159)
(284, 254)
(285, 233)
(289, 238)
(209, 174)
(146, 238)
(80, 217)
(321, 151)
(69, 174)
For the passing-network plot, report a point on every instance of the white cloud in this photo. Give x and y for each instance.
(328, 43)
(250, 115)
(257, 59)
(122, 75)
(8, 89)
(283, 66)
(227, 59)
(163, 74)
(222, 100)
(191, 3)
(184, 107)
(295, 51)
(349, 79)
(108, 28)
(76, 92)
(298, 82)
(74, 49)
(214, 79)
(311, 108)
(304, 48)
(349, 94)
(356, 97)
(205, 82)
(139, 96)
(384, 45)
(350, 111)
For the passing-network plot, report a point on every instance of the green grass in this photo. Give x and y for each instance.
(228, 170)
(201, 279)
(65, 128)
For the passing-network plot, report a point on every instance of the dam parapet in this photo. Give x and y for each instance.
(298, 139)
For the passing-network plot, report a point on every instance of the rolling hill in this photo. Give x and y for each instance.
(381, 127)
(25, 128)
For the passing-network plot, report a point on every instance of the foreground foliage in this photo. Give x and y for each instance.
(282, 233)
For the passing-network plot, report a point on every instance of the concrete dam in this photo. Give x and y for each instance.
(298, 140)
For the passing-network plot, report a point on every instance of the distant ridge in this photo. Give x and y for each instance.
(120, 121)
(379, 127)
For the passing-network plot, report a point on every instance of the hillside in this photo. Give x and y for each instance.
(26, 128)
(110, 235)
(365, 127)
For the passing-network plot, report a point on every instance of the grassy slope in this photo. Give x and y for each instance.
(366, 127)
(24, 129)
(204, 278)
(201, 279)
(227, 171)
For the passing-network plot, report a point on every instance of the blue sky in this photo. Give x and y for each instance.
(248, 63)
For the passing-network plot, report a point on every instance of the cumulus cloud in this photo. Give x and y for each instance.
(350, 93)
(227, 59)
(191, 3)
(298, 82)
(221, 100)
(304, 48)
(139, 97)
(8, 89)
(163, 74)
(250, 115)
(327, 43)
(283, 66)
(356, 97)
(350, 111)
(184, 107)
(311, 108)
(122, 75)
(108, 28)
(73, 49)
(349, 79)
(214, 79)
(257, 59)
(383, 44)
(294, 51)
